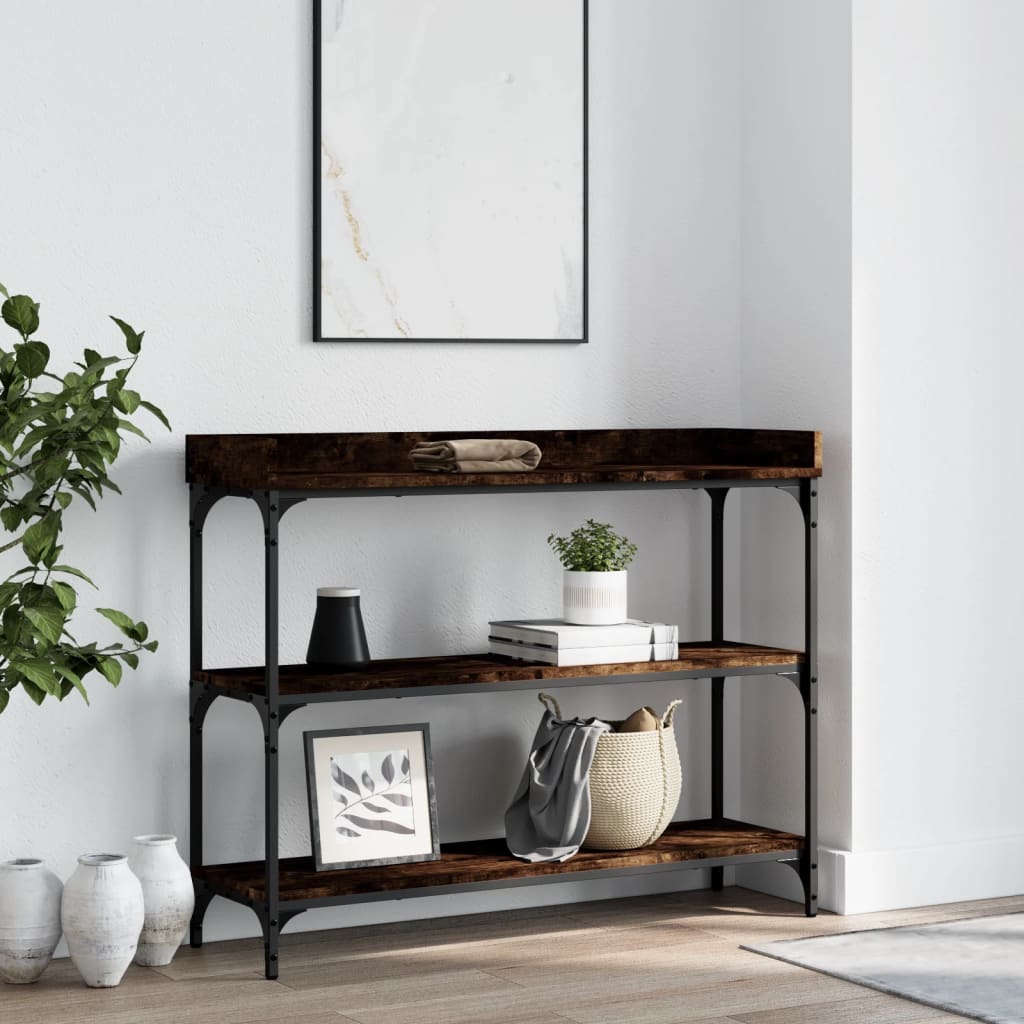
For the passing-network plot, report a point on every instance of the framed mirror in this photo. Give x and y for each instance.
(450, 191)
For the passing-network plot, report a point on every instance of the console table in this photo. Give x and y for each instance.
(277, 471)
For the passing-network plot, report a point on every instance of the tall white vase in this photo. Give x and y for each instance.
(29, 919)
(102, 913)
(168, 896)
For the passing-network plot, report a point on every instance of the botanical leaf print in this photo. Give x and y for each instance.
(342, 778)
(381, 801)
(380, 825)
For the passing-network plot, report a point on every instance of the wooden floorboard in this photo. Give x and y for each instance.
(650, 960)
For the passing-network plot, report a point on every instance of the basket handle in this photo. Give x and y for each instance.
(550, 703)
(666, 719)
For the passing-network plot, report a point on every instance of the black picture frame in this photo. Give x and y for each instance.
(426, 852)
(317, 211)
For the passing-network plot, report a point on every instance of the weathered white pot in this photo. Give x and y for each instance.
(168, 897)
(29, 919)
(594, 598)
(102, 914)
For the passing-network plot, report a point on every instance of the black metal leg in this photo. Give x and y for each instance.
(718, 496)
(270, 506)
(717, 767)
(203, 898)
(201, 500)
(809, 692)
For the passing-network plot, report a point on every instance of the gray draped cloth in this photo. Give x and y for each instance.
(549, 815)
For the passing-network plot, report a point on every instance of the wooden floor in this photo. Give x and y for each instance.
(650, 960)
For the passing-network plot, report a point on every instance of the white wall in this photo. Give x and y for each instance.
(795, 303)
(155, 165)
(938, 216)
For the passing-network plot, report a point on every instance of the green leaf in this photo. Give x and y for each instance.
(111, 669)
(21, 313)
(127, 401)
(151, 646)
(8, 592)
(39, 672)
(63, 499)
(5, 694)
(48, 622)
(72, 679)
(149, 406)
(10, 516)
(32, 358)
(4, 292)
(91, 356)
(66, 595)
(130, 659)
(131, 428)
(132, 338)
(36, 693)
(40, 537)
(119, 619)
(72, 571)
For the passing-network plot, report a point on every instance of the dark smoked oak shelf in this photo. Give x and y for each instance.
(571, 458)
(488, 861)
(481, 670)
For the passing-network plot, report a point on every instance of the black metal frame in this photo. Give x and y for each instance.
(317, 223)
(273, 709)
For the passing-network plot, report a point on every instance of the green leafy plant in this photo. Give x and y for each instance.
(58, 436)
(593, 547)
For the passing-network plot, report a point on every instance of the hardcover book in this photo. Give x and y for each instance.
(557, 634)
(566, 656)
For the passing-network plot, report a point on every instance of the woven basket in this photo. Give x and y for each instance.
(635, 781)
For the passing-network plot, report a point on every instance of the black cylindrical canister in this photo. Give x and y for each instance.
(338, 638)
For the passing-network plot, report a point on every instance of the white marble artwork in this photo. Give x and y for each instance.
(451, 169)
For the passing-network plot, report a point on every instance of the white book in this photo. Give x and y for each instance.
(567, 656)
(557, 634)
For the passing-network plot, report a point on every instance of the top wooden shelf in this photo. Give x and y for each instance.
(380, 462)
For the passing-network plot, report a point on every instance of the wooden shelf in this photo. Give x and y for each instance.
(488, 861)
(380, 462)
(483, 670)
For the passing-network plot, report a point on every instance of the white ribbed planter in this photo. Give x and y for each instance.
(29, 919)
(102, 914)
(594, 598)
(167, 895)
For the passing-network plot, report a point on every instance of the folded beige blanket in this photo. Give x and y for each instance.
(476, 455)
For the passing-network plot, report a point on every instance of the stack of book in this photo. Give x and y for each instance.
(554, 642)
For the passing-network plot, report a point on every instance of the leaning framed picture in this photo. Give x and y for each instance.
(371, 796)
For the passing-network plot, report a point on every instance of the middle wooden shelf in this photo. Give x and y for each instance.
(302, 684)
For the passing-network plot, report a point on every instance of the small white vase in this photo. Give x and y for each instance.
(102, 914)
(29, 919)
(168, 897)
(594, 598)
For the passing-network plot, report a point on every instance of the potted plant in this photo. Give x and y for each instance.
(59, 433)
(594, 557)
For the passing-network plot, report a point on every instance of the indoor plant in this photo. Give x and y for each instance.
(594, 557)
(58, 436)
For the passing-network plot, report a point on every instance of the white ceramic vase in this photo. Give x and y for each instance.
(102, 914)
(29, 919)
(594, 598)
(168, 897)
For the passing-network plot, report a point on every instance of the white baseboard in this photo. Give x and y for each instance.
(863, 882)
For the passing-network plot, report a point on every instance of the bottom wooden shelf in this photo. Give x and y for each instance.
(488, 863)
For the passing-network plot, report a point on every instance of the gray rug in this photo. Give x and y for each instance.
(973, 967)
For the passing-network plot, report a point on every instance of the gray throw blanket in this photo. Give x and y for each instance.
(549, 815)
